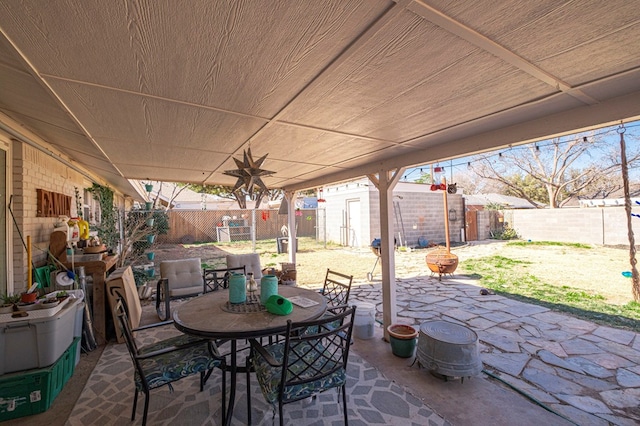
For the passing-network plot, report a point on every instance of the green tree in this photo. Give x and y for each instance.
(240, 195)
(525, 186)
(425, 177)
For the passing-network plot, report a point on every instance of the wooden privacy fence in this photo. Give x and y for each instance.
(190, 226)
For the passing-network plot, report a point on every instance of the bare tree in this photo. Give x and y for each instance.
(579, 166)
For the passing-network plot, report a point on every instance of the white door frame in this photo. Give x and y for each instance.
(5, 196)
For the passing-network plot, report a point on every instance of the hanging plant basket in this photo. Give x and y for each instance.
(150, 221)
(151, 239)
(148, 187)
(151, 255)
(148, 205)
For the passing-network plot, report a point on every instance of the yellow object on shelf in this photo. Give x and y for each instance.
(83, 226)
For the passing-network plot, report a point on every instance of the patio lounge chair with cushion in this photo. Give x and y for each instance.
(166, 361)
(311, 359)
(178, 278)
(251, 261)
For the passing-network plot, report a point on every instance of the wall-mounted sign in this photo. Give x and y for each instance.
(52, 204)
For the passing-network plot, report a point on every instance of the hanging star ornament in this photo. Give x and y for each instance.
(249, 173)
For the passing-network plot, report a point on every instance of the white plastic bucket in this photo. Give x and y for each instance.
(364, 321)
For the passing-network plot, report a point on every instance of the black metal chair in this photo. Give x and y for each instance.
(166, 361)
(312, 359)
(337, 287)
(219, 278)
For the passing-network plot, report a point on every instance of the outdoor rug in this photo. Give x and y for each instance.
(107, 398)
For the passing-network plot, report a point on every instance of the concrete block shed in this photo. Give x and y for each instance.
(352, 214)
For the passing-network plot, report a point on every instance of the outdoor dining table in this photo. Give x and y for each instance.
(212, 316)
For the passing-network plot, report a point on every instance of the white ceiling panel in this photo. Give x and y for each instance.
(173, 91)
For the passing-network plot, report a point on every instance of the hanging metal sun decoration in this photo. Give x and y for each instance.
(249, 173)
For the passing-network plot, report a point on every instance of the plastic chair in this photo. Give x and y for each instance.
(337, 287)
(167, 361)
(219, 278)
(311, 359)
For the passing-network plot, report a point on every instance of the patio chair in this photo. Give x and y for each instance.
(337, 287)
(251, 261)
(167, 361)
(311, 359)
(178, 278)
(219, 278)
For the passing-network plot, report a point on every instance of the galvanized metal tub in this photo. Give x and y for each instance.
(448, 349)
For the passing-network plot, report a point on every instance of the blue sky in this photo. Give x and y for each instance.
(460, 165)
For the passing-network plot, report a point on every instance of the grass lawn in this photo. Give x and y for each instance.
(510, 278)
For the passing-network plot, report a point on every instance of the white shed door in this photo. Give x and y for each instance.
(354, 224)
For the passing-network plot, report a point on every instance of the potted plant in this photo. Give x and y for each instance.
(62, 295)
(7, 303)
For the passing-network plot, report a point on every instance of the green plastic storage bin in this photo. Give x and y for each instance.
(33, 391)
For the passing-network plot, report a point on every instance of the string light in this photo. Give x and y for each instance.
(537, 147)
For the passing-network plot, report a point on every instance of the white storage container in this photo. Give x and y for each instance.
(364, 321)
(38, 340)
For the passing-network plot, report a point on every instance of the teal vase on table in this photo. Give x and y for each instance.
(237, 288)
(268, 287)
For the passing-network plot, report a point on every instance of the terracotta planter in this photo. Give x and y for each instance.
(28, 297)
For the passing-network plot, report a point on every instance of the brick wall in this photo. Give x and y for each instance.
(33, 169)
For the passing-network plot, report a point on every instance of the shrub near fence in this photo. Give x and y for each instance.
(190, 226)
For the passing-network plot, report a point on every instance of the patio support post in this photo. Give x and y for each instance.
(385, 182)
(253, 229)
(291, 218)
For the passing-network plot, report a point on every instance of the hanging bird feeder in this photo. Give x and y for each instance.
(441, 261)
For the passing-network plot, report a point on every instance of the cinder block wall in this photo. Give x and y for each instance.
(417, 212)
(593, 225)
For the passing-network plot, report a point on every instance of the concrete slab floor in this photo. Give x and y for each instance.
(477, 401)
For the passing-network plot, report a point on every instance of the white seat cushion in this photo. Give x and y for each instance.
(184, 275)
(251, 261)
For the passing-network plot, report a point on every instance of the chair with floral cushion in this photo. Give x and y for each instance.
(311, 359)
(166, 361)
